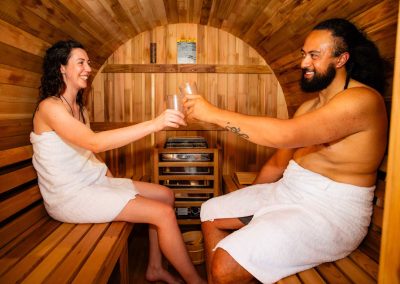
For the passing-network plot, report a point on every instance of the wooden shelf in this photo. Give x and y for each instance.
(186, 68)
(186, 164)
(188, 203)
(186, 177)
(189, 221)
(193, 190)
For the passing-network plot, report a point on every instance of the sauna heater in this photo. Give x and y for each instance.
(187, 185)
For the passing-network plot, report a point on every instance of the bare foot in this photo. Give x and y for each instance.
(160, 274)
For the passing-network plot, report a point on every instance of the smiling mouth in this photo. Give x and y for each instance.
(308, 73)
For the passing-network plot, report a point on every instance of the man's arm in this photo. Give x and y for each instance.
(273, 169)
(342, 116)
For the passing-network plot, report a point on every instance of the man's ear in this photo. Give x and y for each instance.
(342, 59)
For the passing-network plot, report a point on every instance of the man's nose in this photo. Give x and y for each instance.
(305, 62)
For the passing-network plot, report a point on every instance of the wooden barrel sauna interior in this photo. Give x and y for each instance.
(247, 60)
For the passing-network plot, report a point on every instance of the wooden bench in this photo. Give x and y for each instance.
(361, 266)
(34, 248)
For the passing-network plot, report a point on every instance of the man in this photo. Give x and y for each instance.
(312, 201)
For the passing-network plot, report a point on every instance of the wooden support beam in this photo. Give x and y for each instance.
(186, 68)
(192, 126)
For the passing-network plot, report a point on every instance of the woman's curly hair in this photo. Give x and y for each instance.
(52, 83)
(365, 64)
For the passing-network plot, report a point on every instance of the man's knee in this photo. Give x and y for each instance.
(221, 268)
(207, 226)
(225, 269)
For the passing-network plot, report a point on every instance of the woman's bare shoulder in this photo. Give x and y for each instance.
(49, 102)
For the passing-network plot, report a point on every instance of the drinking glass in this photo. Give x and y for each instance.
(174, 101)
(188, 88)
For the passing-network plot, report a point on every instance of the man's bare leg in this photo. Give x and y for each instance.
(225, 269)
(213, 232)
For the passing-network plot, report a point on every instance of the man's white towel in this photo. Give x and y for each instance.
(73, 183)
(300, 221)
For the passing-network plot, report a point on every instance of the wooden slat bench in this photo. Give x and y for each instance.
(34, 248)
(361, 266)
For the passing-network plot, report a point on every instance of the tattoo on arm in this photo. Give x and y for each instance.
(236, 130)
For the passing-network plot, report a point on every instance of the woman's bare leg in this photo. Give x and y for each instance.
(155, 270)
(162, 216)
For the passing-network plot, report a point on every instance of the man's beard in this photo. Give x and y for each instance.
(320, 80)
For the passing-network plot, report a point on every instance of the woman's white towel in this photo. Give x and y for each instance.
(73, 183)
(300, 221)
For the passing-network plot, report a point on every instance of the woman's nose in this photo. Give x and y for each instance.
(88, 68)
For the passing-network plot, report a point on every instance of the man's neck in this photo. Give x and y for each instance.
(333, 89)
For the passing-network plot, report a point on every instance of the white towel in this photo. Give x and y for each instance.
(73, 182)
(300, 221)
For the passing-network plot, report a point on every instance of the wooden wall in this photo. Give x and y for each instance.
(275, 29)
(389, 268)
(127, 97)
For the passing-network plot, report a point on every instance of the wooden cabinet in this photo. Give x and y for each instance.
(193, 174)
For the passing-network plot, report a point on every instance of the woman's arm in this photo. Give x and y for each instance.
(54, 115)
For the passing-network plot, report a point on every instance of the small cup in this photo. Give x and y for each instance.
(188, 88)
(174, 101)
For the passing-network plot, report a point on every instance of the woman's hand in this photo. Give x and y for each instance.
(197, 107)
(169, 118)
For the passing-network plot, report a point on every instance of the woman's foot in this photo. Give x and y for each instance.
(160, 274)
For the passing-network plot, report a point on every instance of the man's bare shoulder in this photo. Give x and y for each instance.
(361, 96)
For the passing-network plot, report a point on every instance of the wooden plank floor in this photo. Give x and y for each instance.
(138, 258)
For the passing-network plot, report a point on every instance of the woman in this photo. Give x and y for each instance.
(77, 187)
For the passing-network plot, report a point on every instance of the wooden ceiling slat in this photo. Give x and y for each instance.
(14, 36)
(14, 76)
(123, 18)
(205, 12)
(156, 8)
(171, 10)
(20, 59)
(58, 15)
(245, 15)
(90, 22)
(15, 14)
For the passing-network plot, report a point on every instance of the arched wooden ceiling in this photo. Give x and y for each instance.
(275, 28)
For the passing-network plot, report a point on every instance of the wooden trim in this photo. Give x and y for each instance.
(390, 257)
(18, 202)
(186, 68)
(192, 126)
(15, 155)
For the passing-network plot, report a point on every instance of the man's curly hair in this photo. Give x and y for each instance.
(365, 64)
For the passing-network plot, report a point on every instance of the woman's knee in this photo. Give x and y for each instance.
(168, 195)
(166, 215)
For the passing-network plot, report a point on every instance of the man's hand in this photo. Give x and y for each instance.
(198, 108)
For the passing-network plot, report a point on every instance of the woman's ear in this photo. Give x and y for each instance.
(342, 59)
(62, 69)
